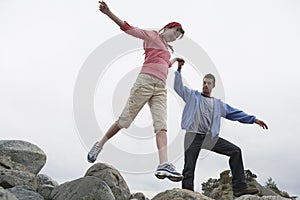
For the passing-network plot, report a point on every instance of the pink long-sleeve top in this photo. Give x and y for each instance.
(157, 56)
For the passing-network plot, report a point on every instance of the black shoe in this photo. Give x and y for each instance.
(245, 191)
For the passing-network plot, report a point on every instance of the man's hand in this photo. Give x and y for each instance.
(180, 63)
(261, 123)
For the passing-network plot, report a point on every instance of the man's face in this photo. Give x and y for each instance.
(208, 85)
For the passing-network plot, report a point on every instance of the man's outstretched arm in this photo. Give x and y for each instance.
(183, 91)
(240, 116)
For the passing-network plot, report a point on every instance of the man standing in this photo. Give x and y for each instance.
(201, 119)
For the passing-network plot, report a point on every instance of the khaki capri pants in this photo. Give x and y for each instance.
(147, 89)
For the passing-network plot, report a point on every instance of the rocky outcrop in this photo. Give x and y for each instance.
(25, 193)
(112, 178)
(88, 187)
(180, 194)
(252, 197)
(221, 189)
(6, 195)
(45, 185)
(25, 153)
(20, 163)
(14, 174)
(138, 196)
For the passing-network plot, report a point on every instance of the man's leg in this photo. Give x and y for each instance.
(225, 147)
(192, 146)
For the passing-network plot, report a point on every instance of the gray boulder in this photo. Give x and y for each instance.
(263, 191)
(43, 179)
(112, 178)
(12, 178)
(7, 163)
(45, 191)
(138, 196)
(25, 193)
(13, 174)
(180, 194)
(253, 197)
(45, 185)
(83, 188)
(25, 153)
(6, 195)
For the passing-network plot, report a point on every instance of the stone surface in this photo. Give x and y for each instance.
(112, 178)
(138, 196)
(21, 161)
(45, 185)
(24, 153)
(6, 195)
(89, 188)
(43, 179)
(25, 193)
(253, 197)
(45, 191)
(12, 178)
(180, 194)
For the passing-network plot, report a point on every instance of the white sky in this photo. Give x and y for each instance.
(254, 45)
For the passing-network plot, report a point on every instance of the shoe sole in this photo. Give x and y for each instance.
(171, 178)
(90, 160)
(241, 194)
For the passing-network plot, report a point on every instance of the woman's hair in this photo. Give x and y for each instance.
(180, 29)
(172, 25)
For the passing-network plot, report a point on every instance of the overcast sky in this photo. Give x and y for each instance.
(253, 45)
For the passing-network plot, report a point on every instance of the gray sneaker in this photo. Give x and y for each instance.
(167, 170)
(92, 155)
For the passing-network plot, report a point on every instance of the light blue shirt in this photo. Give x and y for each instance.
(203, 116)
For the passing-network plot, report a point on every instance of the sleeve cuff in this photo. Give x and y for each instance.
(125, 27)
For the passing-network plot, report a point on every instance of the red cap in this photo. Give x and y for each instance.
(172, 24)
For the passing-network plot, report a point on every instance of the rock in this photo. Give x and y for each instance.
(25, 153)
(138, 196)
(12, 178)
(6, 195)
(253, 197)
(221, 189)
(180, 194)
(45, 191)
(83, 188)
(20, 163)
(25, 193)
(112, 178)
(7, 163)
(45, 185)
(263, 191)
(43, 179)
(13, 174)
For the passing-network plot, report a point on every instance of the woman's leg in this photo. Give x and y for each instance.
(114, 129)
(139, 95)
(161, 143)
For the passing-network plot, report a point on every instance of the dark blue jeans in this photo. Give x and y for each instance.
(194, 142)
